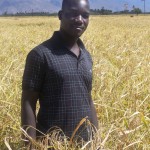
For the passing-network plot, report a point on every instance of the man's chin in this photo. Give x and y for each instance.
(77, 34)
(74, 34)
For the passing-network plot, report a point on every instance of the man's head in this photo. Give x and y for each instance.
(74, 17)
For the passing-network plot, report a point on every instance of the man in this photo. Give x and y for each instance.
(58, 72)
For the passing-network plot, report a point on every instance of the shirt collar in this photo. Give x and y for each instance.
(58, 41)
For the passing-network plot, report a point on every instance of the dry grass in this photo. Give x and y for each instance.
(120, 46)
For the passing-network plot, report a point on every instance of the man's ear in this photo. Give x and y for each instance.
(60, 14)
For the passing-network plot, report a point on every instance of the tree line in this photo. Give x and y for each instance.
(101, 11)
(29, 14)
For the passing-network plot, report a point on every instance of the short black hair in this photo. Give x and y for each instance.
(66, 3)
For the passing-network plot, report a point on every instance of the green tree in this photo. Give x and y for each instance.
(136, 11)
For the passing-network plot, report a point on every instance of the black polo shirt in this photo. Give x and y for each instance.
(64, 82)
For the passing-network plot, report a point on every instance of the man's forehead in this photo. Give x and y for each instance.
(83, 2)
(77, 4)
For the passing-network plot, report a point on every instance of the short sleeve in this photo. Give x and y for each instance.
(34, 72)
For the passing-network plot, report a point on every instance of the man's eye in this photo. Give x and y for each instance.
(85, 15)
(74, 14)
(71, 14)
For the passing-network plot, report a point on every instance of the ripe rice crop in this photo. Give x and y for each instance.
(120, 48)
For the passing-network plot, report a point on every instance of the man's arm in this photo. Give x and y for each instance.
(28, 112)
(94, 115)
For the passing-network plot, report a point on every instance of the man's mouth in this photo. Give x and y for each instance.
(80, 28)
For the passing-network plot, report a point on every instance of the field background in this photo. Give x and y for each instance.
(120, 47)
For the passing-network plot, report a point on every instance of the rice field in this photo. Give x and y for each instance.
(120, 48)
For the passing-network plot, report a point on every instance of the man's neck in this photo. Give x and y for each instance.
(69, 41)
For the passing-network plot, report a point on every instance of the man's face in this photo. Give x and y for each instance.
(75, 18)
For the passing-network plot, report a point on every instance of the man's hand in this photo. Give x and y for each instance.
(28, 113)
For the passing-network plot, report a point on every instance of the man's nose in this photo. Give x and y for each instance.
(79, 18)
